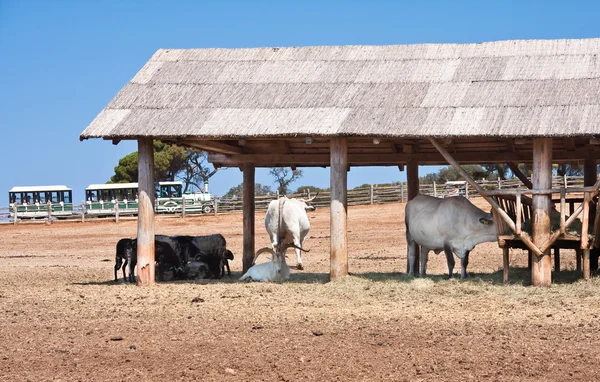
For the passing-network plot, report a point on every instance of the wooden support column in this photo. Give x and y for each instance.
(145, 232)
(249, 209)
(541, 269)
(412, 190)
(339, 208)
(590, 176)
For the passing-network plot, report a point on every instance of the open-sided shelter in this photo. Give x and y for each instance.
(343, 106)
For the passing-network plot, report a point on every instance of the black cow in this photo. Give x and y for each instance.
(126, 250)
(186, 256)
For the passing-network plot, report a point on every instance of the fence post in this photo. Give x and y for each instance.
(183, 207)
(116, 207)
(371, 194)
(401, 192)
(215, 206)
(49, 212)
(16, 209)
(565, 180)
(434, 189)
(83, 212)
(499, 183)
(467, 191)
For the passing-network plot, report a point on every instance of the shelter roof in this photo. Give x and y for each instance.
(400, 93)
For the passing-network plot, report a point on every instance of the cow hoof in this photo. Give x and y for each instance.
(299, 267)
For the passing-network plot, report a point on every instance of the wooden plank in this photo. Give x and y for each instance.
(339, 214)
(248, 218)
(541, 270)
(214, 147)
(145, 228)
(586, 264)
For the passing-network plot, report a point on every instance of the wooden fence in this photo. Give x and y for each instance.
(372, 194)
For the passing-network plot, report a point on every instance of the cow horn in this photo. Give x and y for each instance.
(309, 199)
(262, 250)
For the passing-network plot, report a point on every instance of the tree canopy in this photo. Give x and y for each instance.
(171, 162)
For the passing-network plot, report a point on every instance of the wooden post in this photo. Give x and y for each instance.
(412, 190)
(145, 232)
(83, 212)
(182, 207)
(16, 210)
(339, 207)
(586, 264)
(215, 206)
(401, 192)
(541, 270)
(116, 206)
(467, 190)
(49, 212)
(590, 175)
(505, 261)
(248, 212)
(371, 194)
(434, 190)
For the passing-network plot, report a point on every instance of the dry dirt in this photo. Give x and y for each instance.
(63, 318)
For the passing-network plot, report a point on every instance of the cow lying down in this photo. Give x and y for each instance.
(276, 269)
(453, 225)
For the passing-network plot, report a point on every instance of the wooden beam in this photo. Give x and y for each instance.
(412, 190)
(214, 147)
(449, 145)
(570, 144)
(510, 145)
(339, 206)
(248, 212)
(145, 228)
(381, 159)
(514, 167)
(541, 270)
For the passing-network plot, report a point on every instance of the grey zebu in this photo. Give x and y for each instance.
(453, 225)
(287, 223)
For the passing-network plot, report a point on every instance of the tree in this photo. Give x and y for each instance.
(259, 189)
(195, 172)
(446, 174)
(283, 177)
(170, 162)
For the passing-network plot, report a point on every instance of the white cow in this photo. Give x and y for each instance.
(287, 222)
(275, 269)
(453, 225)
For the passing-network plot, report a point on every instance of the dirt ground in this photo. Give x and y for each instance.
(63, 318)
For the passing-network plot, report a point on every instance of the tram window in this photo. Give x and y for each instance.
(67, 197)
(15, 198)
(54, 197)
(42, 197)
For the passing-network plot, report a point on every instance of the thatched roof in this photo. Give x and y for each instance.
(505, 89)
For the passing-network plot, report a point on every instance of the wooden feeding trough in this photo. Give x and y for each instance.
(518, 213)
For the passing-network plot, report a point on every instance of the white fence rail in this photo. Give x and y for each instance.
(371, 194)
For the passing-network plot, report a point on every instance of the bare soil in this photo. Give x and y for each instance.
(62, 317)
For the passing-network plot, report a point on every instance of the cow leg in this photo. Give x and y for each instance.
(449, 259)
(412, 249)
(463, 266)
(424, 258)
(227, 266)
(118, 263)
(299, 243)
(124, 268)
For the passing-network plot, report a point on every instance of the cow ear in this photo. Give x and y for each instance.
(485, 221)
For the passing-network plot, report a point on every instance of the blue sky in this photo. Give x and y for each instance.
(63, 61)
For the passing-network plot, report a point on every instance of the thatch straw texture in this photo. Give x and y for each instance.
(506, 89)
